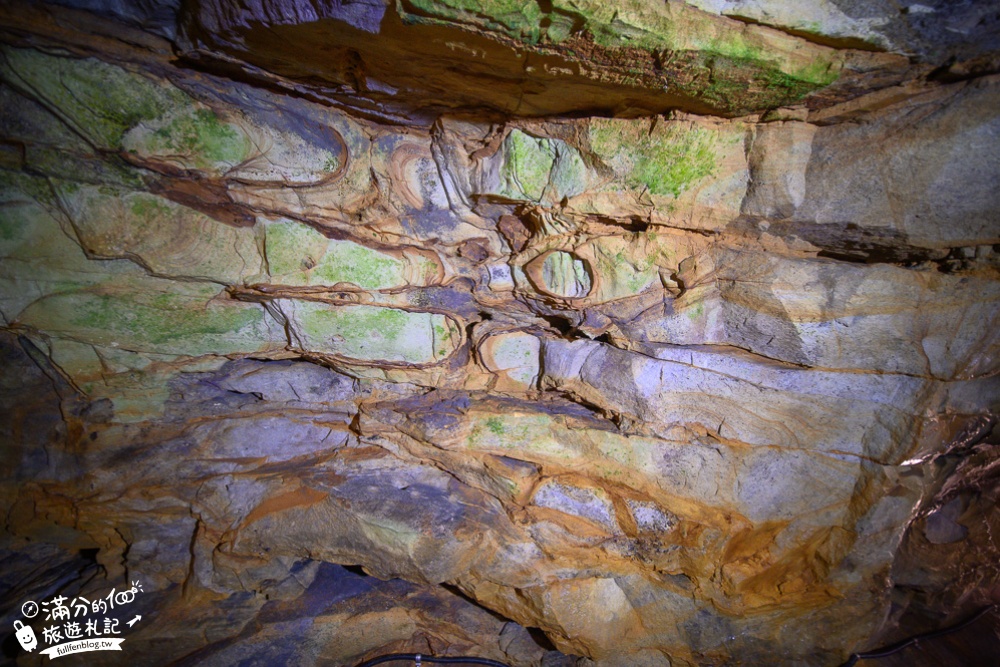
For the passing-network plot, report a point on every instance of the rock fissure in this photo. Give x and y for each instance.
(654, 334)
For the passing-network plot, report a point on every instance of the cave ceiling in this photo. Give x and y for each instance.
(558, 333)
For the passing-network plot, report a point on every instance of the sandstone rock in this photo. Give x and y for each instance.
(513, 357)
(800, 316)
(368, 333)
(174, 241)
(298, 255)
(890, 191)
(98, 101)
(536, 169)
(557, 334)
(930, 30)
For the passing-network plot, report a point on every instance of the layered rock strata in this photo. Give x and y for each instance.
(620, 336)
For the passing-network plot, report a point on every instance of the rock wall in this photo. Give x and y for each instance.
(564, 333)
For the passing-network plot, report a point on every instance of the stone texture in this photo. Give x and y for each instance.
(714, 62)
(929, 30)
(513, 357)
(556, 334)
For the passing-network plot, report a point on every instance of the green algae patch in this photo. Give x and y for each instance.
(292, 249)
(518, 19)
(565, 275)
(51, 148)
(742, 85)
(346, 261)
(192, 137)
(18, 186)
(163, 236)
(49, 285)
(101, 101)
(495, 425)
(695, 311)
(527, 164)
(664, 46)
(12, 225)
(624, 268)
(189, 323)
(40, 257)
(370, 333)
(536, 168)
(299, 255)
(667, 162)
(546, 440)
(694, 171)
(522, 433)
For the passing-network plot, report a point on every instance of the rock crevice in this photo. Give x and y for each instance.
(555, 333)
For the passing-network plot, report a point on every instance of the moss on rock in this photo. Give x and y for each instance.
(527, 164)
(729, 65)
(101, 101)
(667, 162)
(539, 168)
(370, 333)
(300, 255)
(142, 319)
(198, 137)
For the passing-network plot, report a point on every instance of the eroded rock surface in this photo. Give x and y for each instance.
(555, 333)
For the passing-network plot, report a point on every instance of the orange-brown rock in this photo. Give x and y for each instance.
(552, 333)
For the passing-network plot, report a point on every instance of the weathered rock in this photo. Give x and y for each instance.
(368, 333)
(566, 55)
(163, 237)
(800, 311)
(923, 187)
(513, 356)
(298, 255)
(932, 30)
(557, 334)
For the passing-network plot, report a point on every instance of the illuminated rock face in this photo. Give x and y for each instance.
(670, 336)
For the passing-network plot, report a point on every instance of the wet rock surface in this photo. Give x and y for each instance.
(551, 333)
